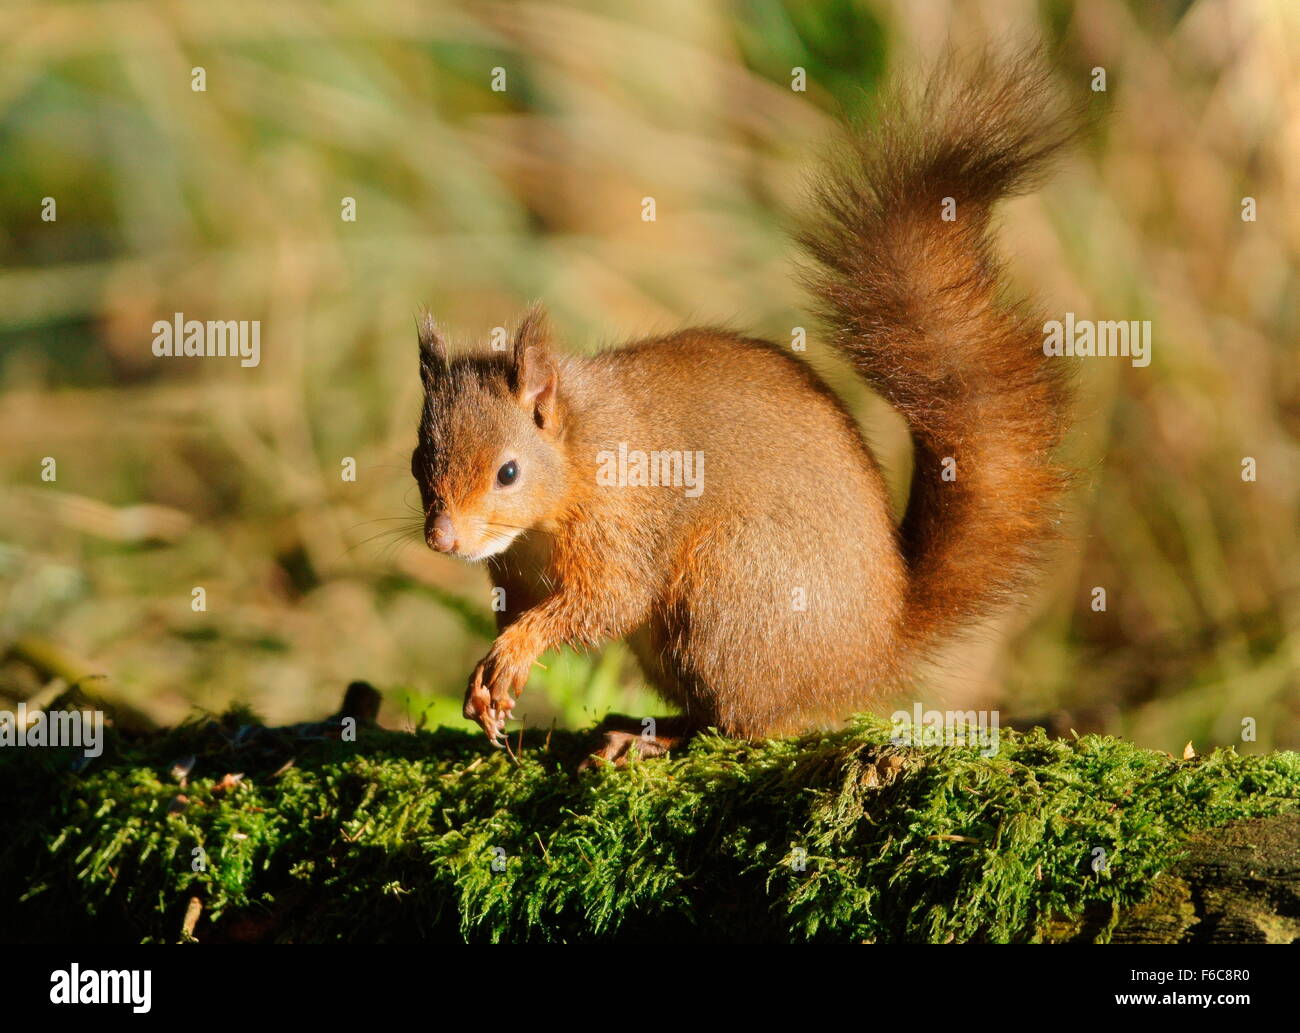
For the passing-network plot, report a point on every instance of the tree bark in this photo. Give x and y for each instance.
(1236, 884)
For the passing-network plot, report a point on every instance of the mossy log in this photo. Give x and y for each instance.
(227, 830)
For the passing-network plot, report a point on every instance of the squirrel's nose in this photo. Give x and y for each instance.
(440, 534)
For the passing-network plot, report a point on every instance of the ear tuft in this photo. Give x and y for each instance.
(433, 350)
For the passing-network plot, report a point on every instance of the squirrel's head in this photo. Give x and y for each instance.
(489, 460)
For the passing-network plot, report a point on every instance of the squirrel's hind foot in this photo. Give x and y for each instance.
(622, 738)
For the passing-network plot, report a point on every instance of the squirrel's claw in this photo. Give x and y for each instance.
(479, 708)
(490, 697)
(499, 715)
(492, 722)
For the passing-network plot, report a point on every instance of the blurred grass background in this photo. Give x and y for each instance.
(226, 204)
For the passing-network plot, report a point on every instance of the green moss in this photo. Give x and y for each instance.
(436, 835)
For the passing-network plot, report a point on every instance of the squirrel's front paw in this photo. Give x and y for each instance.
(478, 705)
(493, 687)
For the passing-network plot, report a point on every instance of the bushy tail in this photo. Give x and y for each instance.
(916, 302)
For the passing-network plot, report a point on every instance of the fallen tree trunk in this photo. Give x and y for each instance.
(1236, 884)
(227, 830)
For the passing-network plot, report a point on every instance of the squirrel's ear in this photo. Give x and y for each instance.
(433, 350)
(533, 376)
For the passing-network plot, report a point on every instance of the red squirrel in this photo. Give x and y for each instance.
(777, 592)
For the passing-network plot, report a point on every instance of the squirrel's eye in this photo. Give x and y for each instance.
(507, 474)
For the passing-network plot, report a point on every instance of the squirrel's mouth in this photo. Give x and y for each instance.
(467, 536)
(493, 544)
